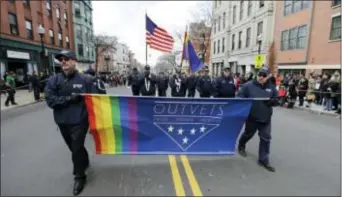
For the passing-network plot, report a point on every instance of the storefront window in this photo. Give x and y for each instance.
(2, 69)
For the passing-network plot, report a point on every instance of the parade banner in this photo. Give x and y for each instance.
(124, 125)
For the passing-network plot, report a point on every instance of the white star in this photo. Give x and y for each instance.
(192, 131)
(170, 128)
(185, 140)
(203, 129)
(180, 131)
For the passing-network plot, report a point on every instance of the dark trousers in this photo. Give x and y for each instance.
(205, 95)
(301, 95)
(36, 93)
(10, 97)
(135, 91)
(265, 138)
(162, 93)
(74, 136)
(191, 93)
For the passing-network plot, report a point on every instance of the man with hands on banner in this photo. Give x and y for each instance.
(148, 83)
(224, 85)
(70, 113)
(204, 84)
(260, 115)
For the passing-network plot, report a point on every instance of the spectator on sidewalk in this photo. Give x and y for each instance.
(335, 81)
(302, 87)
(35, 82)
(310, 95)
(11, 85)
(318, 97)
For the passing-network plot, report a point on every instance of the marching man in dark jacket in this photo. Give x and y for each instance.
(178, 84)
(134, 82)
(204, 84)
(259, 118)
(191, 83)
(162, 84)
(224, 85)
(97, 82)
(148, 83)
(70, 113)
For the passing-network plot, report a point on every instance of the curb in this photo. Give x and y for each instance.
(318, 112)
(23, 105)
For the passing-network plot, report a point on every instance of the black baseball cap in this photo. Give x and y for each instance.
(66, 53)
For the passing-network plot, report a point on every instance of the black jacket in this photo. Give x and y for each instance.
(224, 87)
(205, 86)
(152, 80)
(163, 83)
(175, 90)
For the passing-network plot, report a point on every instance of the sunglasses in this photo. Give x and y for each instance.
(63, 58)
(262, 75)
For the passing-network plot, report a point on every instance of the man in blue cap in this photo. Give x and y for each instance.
(62, 94)
(204, 84)
(259, 118)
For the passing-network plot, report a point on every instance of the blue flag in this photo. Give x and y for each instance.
(191, 55)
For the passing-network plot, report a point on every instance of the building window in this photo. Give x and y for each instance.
(29, 32)
(241, 9)
(80, 49)
(215, 26)
(293, 6)
(287, 7)
(79, 31)
(215, 3)
(87, 50)
(234, 14)
(301, 36)
(261, 3)
(335, 30)
(219, 23)
(214, 47)
(57, 12)
(218, 46)
(335, 3)
(60, 39)
(248, 37)
(77, 9)
(259, 29)
(249, 9)
(48, 7)
(67, 42)
(223, 42)
(284, 45)
(240, 40)
(13, 23)
(294, 38)
(224, 20)
(233, 41)
(26, 2)
(65, 17)
(52, 38)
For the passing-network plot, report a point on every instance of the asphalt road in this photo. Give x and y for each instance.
(305, 151)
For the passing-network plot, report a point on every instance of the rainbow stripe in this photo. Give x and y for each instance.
(113, 123)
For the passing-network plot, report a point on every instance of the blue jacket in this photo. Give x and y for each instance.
(261, 110)
(58, 95)
(205, 85)
(224, 87)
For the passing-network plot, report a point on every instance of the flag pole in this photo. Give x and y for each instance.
(185, 32)
(146, 55)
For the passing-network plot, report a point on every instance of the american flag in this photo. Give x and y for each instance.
(157, 38)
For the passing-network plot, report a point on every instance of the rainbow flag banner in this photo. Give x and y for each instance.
(124, 125)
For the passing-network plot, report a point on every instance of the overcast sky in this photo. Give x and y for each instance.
(126, 20)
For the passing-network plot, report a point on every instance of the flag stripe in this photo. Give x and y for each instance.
(107, 124)
(116, 123)
(133, 127)
(158, 38)
(92, 125)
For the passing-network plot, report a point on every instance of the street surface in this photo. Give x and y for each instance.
(305, 152)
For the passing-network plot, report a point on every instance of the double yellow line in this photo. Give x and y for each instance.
(177, 179)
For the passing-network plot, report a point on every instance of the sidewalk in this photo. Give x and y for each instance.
(316, 109)
(22, 97)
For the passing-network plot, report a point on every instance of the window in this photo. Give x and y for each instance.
(301, 36)
(13, 23)
(224, 20)
(26, 2)
(248, 37)
(67, 42)
(293, 6)
(259, 29)
(293, 38)
(261, 3)
(85, 17)
(297, 5)
(214, 24)
(79, 31)
(233, 41)
(234, 14)
(57, 12)
(218, 46)
(80, 49)
(240, 41)
(77, 9)
(87, 50)
(215, 3)
(223, 43)
(65, 15)
(48, 7)
(249, 9)
(287, 7)
(335, 3)
(241, 9)
(60, 39)
(214, 47)
(29, 32)
(284, 40)
(335, 30)
(219, 23)
(52, 38)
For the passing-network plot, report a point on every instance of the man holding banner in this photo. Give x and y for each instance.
(266, 96)
(148, 83)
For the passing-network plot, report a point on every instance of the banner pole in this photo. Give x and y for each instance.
(146, 55)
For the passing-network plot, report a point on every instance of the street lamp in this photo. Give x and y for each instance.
(202, 46)
(259, 43)
(41, 32)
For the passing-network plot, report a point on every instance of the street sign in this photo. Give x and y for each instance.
(258, 61)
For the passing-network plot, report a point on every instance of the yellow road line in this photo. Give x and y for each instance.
(196, 190)
(177, 180)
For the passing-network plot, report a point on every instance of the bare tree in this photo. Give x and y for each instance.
(167, 62)
(271, 58)
(102, 43)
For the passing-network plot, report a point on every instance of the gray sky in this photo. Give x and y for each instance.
(126, 20)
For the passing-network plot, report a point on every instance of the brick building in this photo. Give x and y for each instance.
(308, 36)
(31, 33)
(196, 31)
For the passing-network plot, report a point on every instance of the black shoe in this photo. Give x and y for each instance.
(79, 185)
(6, 105)
(242, 152)
(267, 166)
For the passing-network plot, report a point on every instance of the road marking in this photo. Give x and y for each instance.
(177, 181)
(196, 190)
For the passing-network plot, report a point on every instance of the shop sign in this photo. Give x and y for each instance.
(18, 55)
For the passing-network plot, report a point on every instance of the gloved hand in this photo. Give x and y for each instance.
(75, 98)
(272, 102)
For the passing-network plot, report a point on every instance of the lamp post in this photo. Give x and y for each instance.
(259, 48)
(41, 32)
(107, 59)
(202, 46)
